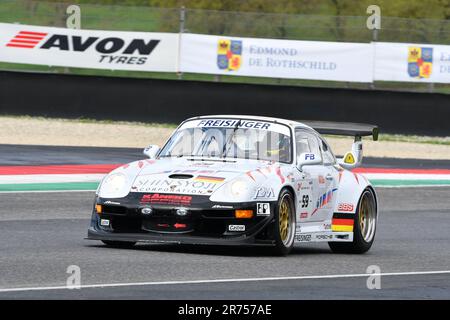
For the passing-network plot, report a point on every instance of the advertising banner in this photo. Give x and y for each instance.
(412, 62)
(315, 60)
(113, 50)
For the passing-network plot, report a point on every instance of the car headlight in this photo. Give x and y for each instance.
(238, 188)
(114, 183)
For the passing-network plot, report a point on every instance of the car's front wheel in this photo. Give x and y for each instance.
(365, 222)
(119, 244)
(284, 226)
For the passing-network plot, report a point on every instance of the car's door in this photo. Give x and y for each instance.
(312, 185)
(327, 199)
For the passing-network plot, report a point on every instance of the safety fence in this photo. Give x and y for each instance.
(208, 54)
(231, 46)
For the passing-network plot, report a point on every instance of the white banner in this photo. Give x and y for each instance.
(412, 62)
(314, 60)
(114, 50)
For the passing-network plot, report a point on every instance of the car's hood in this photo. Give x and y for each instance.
(190, 176)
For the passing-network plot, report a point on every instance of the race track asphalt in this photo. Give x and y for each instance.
(41, 234)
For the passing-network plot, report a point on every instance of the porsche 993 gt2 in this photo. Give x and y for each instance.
(241, 180)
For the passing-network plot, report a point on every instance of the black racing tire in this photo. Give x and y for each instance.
(283, 228)
(364, 226)
(119, 244)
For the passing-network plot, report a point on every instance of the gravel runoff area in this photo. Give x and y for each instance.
(60, 132)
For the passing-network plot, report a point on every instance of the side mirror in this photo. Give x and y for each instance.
(151, 151)
(308, 159)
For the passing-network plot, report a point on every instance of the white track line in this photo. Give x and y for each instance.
(133, 284)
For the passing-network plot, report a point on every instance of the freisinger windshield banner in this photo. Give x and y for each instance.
(315, 60)
(113, 50)
(412, 62)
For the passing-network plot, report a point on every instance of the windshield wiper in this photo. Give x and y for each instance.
(228, 144)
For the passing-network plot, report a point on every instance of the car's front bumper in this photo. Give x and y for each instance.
(206, 223)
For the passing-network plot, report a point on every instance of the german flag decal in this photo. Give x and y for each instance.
(209, 179)
(342, 225)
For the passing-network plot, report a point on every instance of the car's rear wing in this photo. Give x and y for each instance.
(356, 130)
(353, 158)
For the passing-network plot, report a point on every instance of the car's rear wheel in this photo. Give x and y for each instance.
(365, 221)
(284, 226)
(119, 244)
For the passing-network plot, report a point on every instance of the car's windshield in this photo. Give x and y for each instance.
(231, 138)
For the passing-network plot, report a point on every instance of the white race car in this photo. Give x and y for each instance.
(241, 180)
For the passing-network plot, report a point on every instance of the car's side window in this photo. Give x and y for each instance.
(327, 155)
(306, 142)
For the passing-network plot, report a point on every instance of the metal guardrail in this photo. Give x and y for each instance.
(243, 24)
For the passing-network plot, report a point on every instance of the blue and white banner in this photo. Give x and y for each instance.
(412, 62)
(315, 60)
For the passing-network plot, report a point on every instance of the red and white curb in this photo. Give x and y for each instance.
(87, 177)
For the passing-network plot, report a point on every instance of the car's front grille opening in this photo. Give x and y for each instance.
(126, 224)
(114, 209)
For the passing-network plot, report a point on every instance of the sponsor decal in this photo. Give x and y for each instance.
(111, 202)
(420, 62)
(143, 184)
(209, 179)
(179, 225)
(310, 156)
(104, 222)
(229, 54)
(236, 227)
(220, 123)
(323, 200)
(262, 209)
(26, 39)
(303, 237)
(303, 215)
(157, 198)
(264, 193)
(342, 225)
(345, 207)
(321, 180)
(324, 237)
(219, 206)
